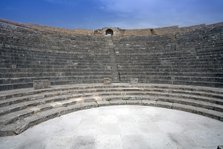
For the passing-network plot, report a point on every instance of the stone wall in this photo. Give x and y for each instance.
(190, 55)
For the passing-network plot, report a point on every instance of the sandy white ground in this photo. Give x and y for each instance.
(121, 127)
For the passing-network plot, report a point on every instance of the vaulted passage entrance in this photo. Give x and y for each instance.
(109, 32)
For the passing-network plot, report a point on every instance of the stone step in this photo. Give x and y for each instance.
(21, 125)
(4, 87)
(180, 74)
(52, 70)
(22, 110)
(30, 79)
(213, 98)
(168, 80)
(169, 76)
(45, 64)
(166, 62)
(53, 82)
(14, 116)
(202, 90)
(178, 68)
(195, 95)
(50, 74)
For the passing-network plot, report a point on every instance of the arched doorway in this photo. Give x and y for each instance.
(109, 32)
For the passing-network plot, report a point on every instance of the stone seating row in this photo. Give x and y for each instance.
(177, 70)
(52, 58)
(28, 82)
(94, 68)
(159, 50)
(68, 72)
(25, 108)
(54, 78)
(198, 81)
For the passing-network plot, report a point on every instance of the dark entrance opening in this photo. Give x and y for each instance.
(109, 32)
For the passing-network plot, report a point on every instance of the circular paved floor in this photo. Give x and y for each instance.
(121, 127)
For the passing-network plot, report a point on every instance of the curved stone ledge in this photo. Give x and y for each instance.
(23, 109)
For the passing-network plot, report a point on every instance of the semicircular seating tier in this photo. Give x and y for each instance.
(24, 108)
(179, 68)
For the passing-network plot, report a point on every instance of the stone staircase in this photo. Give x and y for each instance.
(23, 108)
(111, 48)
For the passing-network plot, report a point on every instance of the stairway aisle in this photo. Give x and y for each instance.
(110, 45)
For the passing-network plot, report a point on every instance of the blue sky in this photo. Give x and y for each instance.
(93, 14)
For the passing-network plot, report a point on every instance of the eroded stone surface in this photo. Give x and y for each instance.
(107, 81)
(41, 84)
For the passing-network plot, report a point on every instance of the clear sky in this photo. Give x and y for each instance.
(93, 14)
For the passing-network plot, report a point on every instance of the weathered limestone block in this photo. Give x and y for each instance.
(41, 84)
(107, 81)
(134, 80)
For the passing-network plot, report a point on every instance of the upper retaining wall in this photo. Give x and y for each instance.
(172, 55)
